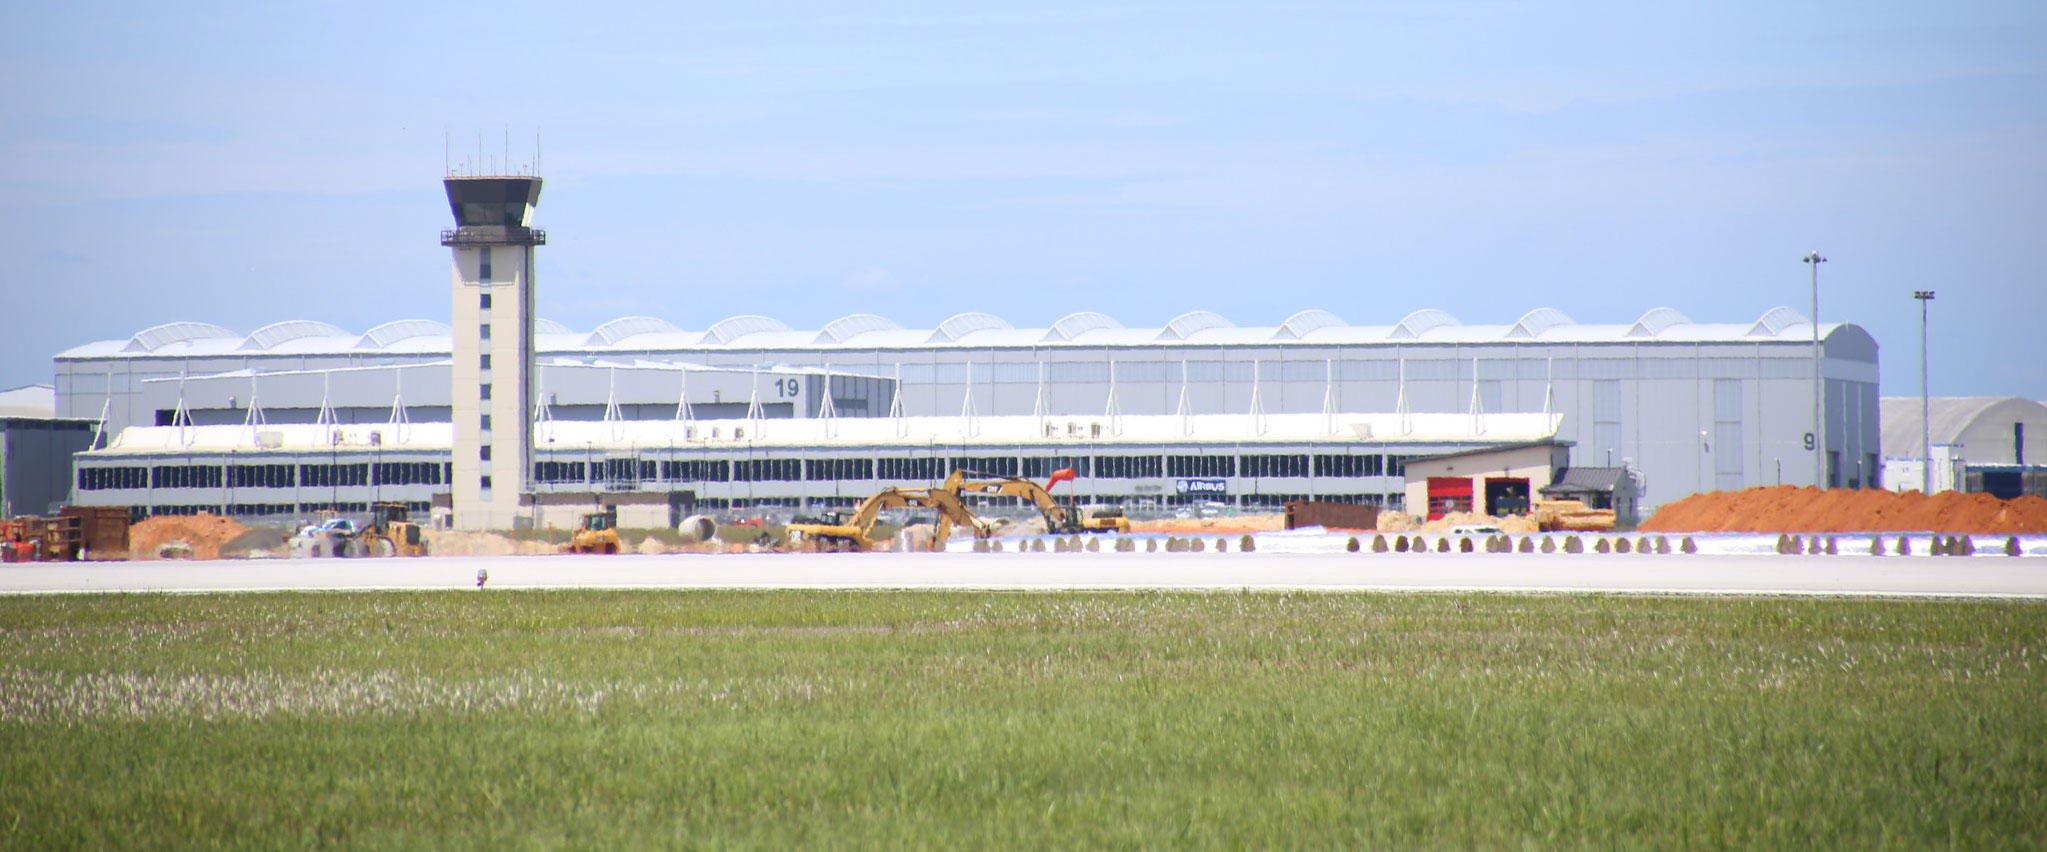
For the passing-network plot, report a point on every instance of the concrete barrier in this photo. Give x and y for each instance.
(1351, 545)
(1379, 543)
(1247, 544)
(1621, 545)
(1904, 546)
(1549, 544)
(1400, 544)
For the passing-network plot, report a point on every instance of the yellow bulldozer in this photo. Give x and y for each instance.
(1059, 520)
(852, 531)
(391, 532)
(598, 534)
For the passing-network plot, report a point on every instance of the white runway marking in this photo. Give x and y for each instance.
(1913, 576)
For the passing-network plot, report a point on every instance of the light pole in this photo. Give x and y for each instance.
(1925, 413)
(1819, 433)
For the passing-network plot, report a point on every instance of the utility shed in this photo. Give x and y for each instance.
(1496, 481)
(1598, 488)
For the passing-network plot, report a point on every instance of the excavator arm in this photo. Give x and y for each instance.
(969, 481)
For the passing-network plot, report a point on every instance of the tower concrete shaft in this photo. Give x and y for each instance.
(493, 373)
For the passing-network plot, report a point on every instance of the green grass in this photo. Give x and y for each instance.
(599, 720)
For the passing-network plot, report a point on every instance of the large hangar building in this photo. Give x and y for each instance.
(748, 411)
(1689, 406)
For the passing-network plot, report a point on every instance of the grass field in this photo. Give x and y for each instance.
(599, 720)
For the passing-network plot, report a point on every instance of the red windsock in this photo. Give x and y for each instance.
(1064, 474)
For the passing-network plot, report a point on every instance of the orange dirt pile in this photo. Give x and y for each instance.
(204, 533)
(1787, 508)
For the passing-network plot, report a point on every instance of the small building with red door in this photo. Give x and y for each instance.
(1496, 481)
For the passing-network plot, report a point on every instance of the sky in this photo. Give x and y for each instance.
(244, 164)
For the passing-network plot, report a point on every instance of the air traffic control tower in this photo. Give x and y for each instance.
(493, 374)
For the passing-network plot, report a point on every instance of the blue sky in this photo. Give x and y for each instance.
(251, 163)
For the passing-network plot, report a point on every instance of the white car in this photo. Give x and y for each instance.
(1475, 529)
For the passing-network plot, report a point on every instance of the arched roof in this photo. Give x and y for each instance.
(392, 332)
(1191, 322)
(624, 327)
(1417, 323)
(157, 337)
(844, 328)
(1078, 323)
(1297, 326)
(544, 325)
(270, 335)
(1950, 419)
(1774, 321)
(1535, 322)
(1656, 320)
(733, 328)
(961, 325)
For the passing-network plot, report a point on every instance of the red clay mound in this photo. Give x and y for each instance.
(202, 534)
(1786, 508)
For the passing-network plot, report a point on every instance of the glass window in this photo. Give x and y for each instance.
(483, 331)
(484, 301)
(483, 265)
(484, 390)
(486, 423)
(483, 361)
(483, 452)
(486, 483)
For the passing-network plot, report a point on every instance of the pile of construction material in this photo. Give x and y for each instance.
(1808, 510)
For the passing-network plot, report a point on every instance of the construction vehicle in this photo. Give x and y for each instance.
(598, 534)
(391, 533)
(331, 536)
(852, 531)
(1058, 519)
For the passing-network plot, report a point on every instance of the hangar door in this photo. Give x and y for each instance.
(1505, 495)
(1448, 494)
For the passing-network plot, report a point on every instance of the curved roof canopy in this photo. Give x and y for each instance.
(1193, 322)
(1535, 322)
(1078, 323)
(845, 328)
(543, 325)
(1298, 325)
(392, 332)
(961, 325)
(1418, 323)
(1655, 321)
(1774, 321)
(624, 327)
(270, 335)
(152, 339)
(733, 328)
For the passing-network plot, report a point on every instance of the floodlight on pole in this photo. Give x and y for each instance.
(1819, 432)
(1925, 413)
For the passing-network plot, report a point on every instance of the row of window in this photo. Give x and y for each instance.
(747, 470)
(263, 475)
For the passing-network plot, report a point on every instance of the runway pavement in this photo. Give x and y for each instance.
(1980, 576)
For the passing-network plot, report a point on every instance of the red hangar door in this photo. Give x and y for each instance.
(1448, 494)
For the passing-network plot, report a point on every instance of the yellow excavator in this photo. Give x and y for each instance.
(852, 531)
(391, 532)
(1058, 519)
(598, 534)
